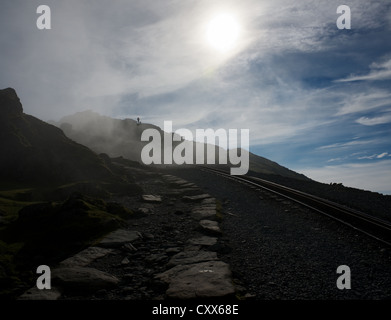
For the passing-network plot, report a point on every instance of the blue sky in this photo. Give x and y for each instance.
(315, 98)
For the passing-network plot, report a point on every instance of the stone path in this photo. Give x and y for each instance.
(169, 251)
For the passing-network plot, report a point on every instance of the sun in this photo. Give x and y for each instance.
(223, 32)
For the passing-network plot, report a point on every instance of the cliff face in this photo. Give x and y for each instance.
(33, 151)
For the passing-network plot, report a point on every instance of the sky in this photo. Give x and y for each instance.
(315, 98)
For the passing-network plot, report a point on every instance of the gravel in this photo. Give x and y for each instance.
(280, 250)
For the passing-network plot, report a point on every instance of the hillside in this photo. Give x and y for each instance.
(117, 137)
(54, 194)
(33, 151)
(265, 166)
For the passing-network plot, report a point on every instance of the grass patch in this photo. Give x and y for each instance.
(9, 209)
(219, 210)
(16, 194)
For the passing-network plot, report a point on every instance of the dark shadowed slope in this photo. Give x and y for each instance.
(34, 151)
(265, 166)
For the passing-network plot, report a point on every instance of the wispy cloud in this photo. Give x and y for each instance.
(379, 71)
(366, 121)
(382, 155)
(370, 99)
(348, 144)
(374, 156)
(368, 157)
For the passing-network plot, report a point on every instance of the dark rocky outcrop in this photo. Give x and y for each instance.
(32, 150)
(10, 103)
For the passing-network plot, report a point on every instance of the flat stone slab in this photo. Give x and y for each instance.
(179, 181)
(151, 198)
(118, 238)
(191, 257)
(188, 185)
(37, 294)
(195, 198)
(203, 241)
(210, 226)
(202, 213)
(85, 257)
(176, 180)
(83, 279)
(202, 280)
(210, 201)
(205, 206)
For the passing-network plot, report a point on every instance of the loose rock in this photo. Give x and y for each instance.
(151, 198)
(211, 227)
(83, 279)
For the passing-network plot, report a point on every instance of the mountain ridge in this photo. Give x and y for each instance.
(122, 137)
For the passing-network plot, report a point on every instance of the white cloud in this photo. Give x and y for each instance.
(361, 102)
(335, 159)
(370, 176)
(340, 145)
(386, 118)
(379, 71)
(382, 155)
(368, 157)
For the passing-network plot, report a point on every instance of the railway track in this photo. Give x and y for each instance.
(364, 223)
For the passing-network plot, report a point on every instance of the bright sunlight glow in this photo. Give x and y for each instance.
(223, 32)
